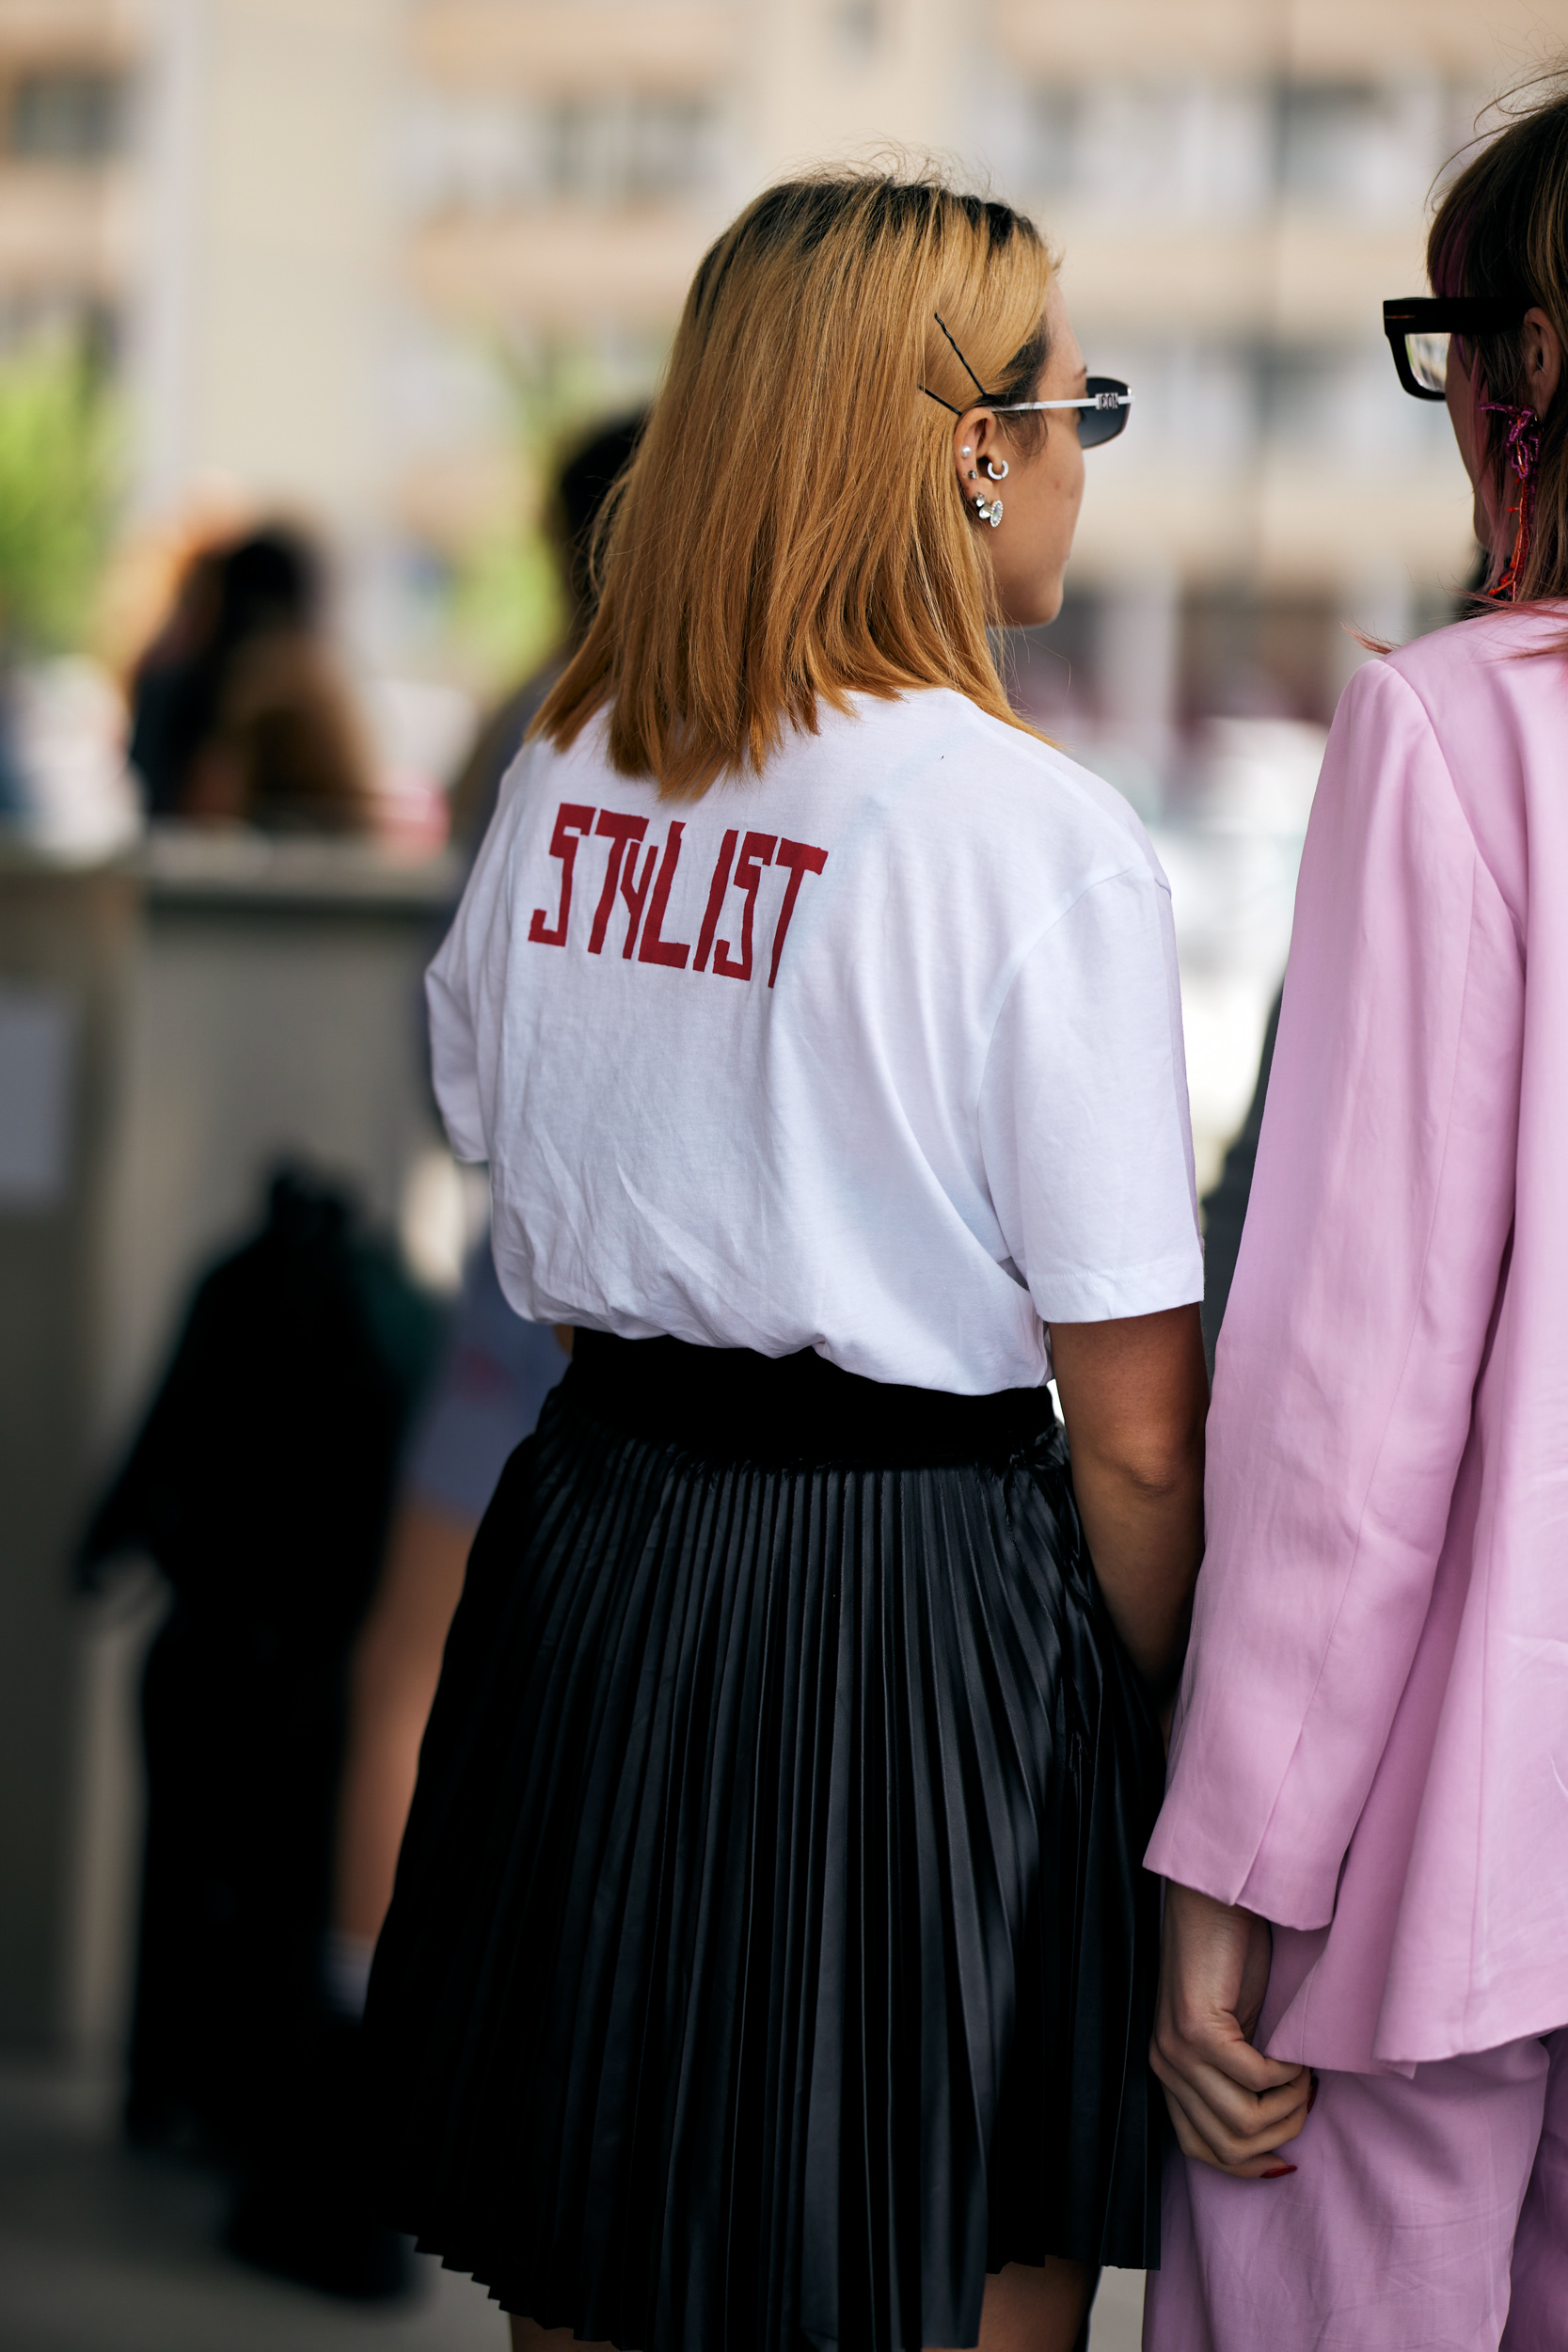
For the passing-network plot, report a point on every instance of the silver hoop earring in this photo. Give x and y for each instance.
(988, 510)
(997, 474)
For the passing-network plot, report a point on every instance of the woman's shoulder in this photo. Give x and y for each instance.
(926, 772)
(1490, 662)
(1012, 787)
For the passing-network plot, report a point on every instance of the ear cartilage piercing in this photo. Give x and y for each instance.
(997, 474)
(988, 510)
(966, 451)
(973, 475)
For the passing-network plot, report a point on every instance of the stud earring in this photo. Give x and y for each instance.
(973, 475)
(966, 451)
(997, 474)
(988, 510)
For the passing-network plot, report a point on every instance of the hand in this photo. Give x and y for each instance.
(1231, 2107)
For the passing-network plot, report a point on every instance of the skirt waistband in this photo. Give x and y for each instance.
(736, 1404)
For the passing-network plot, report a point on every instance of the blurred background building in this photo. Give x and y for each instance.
(367, 266)
(358, 257)
(366, 258)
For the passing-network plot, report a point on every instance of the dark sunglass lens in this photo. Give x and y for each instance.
(1096, 426)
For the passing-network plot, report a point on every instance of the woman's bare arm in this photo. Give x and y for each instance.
(397, 1664)
(1134, 1394)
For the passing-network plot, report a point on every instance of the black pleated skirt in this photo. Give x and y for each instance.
(770, 1956)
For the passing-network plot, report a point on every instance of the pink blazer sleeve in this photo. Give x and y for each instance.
(1357, 1322)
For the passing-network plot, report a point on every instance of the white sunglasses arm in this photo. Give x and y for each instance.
(1093, 400)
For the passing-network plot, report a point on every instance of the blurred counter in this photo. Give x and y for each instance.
(172, 1022)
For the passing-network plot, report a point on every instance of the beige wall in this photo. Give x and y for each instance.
(803, 79)
(268, 249)
(282, 273)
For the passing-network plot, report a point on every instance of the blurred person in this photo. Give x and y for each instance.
(260, 1484)
(239, 711)
(768, 1956)
(1365, 1831)
(572, 515)
(310, 2222)
(1225, 1206)
(496, 1372)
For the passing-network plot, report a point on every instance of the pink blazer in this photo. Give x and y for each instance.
(1371, 1744)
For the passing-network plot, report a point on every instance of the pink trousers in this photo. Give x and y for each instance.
(1428, 2215)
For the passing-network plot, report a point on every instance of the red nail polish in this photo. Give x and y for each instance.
(1278, 2172)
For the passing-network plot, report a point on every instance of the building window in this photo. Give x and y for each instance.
(608, 151)
(1051, 164)
(495, 155)
(1361, 147)
(1331, 404)
(72, 117)
(1189, 149)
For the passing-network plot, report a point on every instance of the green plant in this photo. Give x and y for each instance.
(507, 610)
(59, 478)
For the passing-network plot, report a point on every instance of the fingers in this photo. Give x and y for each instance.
(1233, 2141)
(1231, 2107)
(1220, 2124)
(1220, 2045)
(1237, 2112)
(1245, 2090)
(1245, 2102)
(1267, 2165)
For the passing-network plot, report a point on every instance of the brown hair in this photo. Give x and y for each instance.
(1502, 229)
(790, 529)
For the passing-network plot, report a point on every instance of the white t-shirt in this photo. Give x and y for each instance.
(879, 1053)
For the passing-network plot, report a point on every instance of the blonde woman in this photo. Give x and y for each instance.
(770, 1957)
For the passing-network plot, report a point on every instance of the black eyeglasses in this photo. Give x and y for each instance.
(1102, 407)
(1420, 328)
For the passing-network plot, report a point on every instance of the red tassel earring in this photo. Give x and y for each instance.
(1523, 446)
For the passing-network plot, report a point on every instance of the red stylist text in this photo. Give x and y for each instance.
(632, 907)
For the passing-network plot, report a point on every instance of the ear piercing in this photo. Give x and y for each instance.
(988, 510)
(997, 474)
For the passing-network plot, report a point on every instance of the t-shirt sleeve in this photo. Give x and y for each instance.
(1085, 1127)
(453, 1058)
(470, 963)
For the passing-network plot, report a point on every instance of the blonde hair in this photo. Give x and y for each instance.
(790, 529)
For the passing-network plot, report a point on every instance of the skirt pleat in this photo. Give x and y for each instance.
(770, 1956)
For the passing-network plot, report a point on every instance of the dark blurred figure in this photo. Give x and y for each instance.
(260, 1484)
(1225, 1208)
(496, 1374)
(287, 2102)
(239, 712)
(571, 520)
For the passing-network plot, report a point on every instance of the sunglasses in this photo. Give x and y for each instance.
(1102, 407)
(1101, 412)
(1421, 327)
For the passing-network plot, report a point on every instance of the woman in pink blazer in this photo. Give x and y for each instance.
(1369, 1765)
